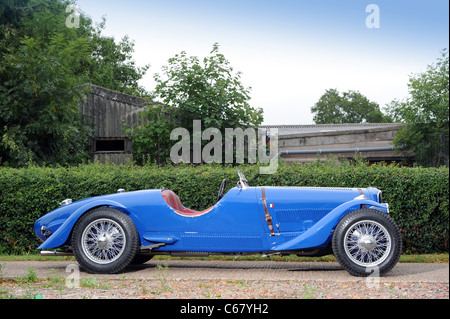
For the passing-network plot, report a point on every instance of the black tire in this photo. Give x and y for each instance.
(105, 241)
(367, 242)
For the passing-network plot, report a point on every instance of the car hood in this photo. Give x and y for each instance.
(319, 194)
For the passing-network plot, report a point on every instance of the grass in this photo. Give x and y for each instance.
(30, 285)
(422, 258)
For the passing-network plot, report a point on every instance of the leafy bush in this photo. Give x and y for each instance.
(43, 71)
(418, 197)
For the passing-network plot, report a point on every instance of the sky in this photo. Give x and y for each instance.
(289, 51)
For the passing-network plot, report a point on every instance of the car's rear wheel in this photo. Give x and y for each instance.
(367, 242)
(104, 241)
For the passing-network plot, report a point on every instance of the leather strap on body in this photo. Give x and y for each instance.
(362, 193)
(267, 216)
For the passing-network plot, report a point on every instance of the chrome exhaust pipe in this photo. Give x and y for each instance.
(49, 253)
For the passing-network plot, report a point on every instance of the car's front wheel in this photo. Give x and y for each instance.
(105, 241)
(367, 242)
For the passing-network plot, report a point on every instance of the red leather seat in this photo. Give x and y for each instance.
(174, 201)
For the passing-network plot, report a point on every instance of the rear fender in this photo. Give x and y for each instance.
(61, 235)
(320, 233)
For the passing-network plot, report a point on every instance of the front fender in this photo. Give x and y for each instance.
(320, 233)
(61, 235)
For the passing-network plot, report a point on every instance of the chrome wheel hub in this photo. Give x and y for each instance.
(103, 241)
(367, 243)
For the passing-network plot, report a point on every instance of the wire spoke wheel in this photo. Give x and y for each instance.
(367, 243)
(103, 241)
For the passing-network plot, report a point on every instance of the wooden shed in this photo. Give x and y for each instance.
(108, 112)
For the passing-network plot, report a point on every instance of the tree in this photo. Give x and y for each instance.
(151, 136)
(191, 89)
(112, 66)
(350, 107)
(207, 91)
(425, 114)
(43, 71)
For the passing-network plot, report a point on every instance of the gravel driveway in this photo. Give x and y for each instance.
(193, 279)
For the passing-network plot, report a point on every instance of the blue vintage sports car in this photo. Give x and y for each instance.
(108, 233)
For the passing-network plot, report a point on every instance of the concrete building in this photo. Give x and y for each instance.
(304, 143)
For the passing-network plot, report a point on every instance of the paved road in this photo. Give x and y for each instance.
(235, 270)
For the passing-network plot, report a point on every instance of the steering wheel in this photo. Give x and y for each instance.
(221, 189)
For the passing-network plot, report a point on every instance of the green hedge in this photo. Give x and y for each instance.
(418, 197)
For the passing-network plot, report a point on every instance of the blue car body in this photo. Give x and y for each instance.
(303, 219)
